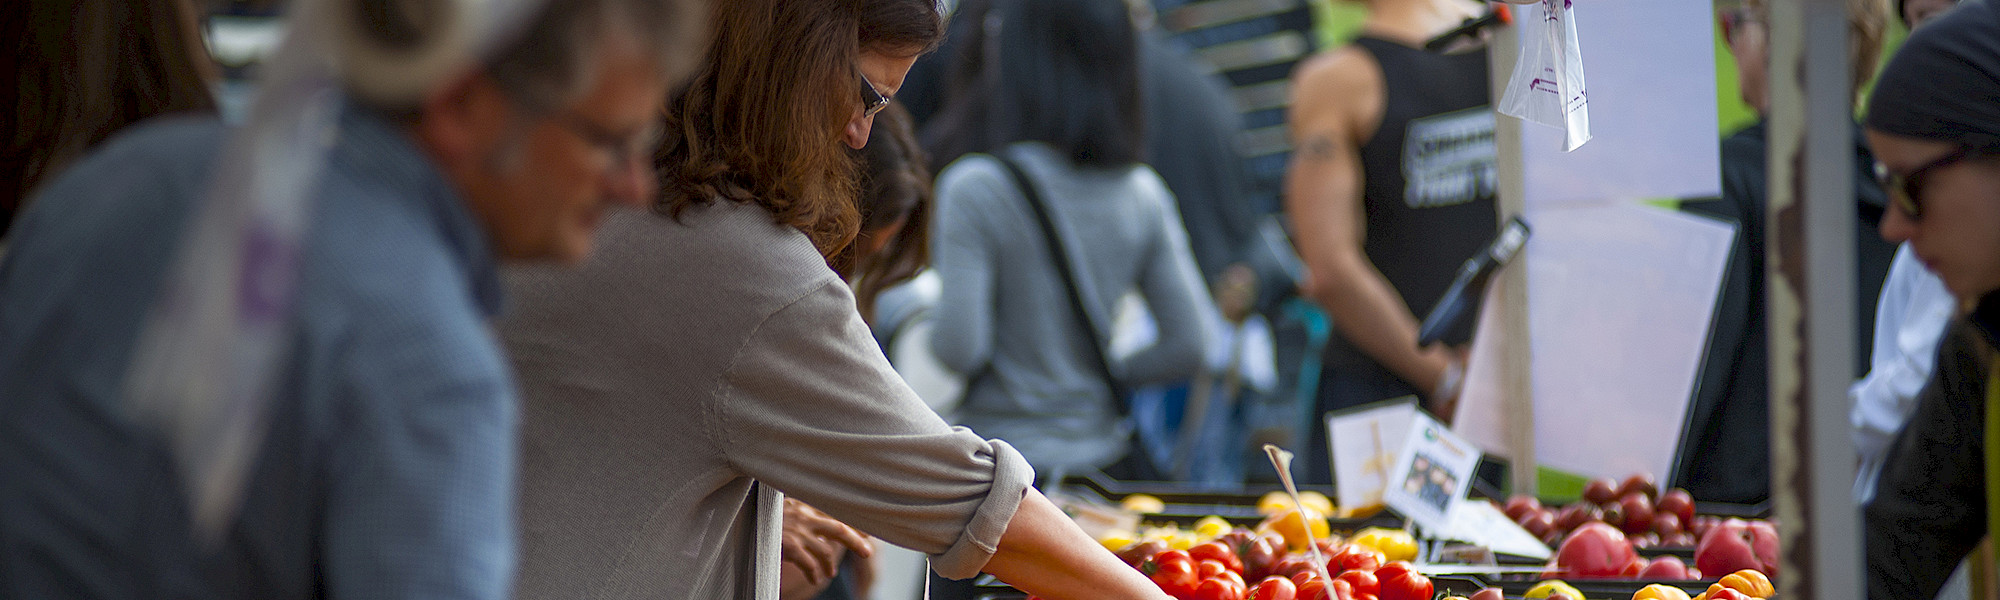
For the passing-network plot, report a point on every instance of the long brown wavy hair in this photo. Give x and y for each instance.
(77, 72)
(762, 121)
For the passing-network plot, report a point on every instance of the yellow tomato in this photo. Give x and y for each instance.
(1144, 503)
(1274, 503)
(1117, 539)
(1294, 528)
(1751, 582)
(1660, 592)
(1317, 501)
(1211, 526)
(1394, 544)
(1552, 587)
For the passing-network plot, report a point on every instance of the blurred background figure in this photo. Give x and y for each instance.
(1194, 137)
(1391, 188)
(83, 69)
(1727, 445)
(1066, 109)
(895, 202)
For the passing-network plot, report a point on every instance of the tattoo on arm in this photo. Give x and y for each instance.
(1317, 147)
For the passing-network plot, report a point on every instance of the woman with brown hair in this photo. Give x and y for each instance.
(84, 70)
(892, 247)
(708, 362)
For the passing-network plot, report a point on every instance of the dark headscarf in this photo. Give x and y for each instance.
(1944, 84)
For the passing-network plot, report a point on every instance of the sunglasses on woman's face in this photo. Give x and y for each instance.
(872, 100)
(1907, 189)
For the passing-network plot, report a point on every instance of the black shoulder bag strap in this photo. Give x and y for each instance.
(1061, 257)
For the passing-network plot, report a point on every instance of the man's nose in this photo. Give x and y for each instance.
(633, 183)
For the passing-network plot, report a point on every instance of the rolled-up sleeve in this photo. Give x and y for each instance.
(810, 406)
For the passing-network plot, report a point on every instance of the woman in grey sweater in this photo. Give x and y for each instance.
(1065, 110)
(707, 362)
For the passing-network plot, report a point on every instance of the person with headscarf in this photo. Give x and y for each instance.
(254, 361)
(1934, 123)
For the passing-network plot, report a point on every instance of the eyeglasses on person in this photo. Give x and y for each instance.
(1907, 189)
(872, 100)
(624, 150)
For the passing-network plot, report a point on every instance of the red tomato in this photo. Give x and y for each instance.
(1341, 588)
(1408, 585)
(1354, 558)
(1260, 557)
(1364, 582)
(1219, 552)
(1389, 571)
(1292, 565)
(1168, 556)
(1218, 589)
(1277, 588)
(1315, 590)
(1365, 597)
(1233, 578)
(1301, 578)
(1209, 569)
(1172, 571)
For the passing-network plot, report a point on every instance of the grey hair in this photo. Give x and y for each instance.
(391, 51)
(547, 65)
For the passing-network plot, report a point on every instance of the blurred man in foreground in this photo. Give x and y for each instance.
(382, 464)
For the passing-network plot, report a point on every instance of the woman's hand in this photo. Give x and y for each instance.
(815, 542)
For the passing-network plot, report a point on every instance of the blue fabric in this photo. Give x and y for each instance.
(388, 471)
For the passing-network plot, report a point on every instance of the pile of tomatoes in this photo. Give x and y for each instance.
(1222, 569)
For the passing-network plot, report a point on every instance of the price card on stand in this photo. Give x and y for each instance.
(1431, 475)
(1364, 442)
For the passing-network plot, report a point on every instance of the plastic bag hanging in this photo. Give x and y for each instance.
(1547, 86)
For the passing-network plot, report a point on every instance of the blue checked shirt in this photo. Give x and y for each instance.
(388, 471)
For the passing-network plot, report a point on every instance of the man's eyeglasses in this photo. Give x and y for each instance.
(1905, 189)
(624, 150)
(872, 100)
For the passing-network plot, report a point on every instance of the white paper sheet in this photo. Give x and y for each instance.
(1619, 303)
(1431, 474)
(1652, 109)
(1480, 523)
(1364, 443)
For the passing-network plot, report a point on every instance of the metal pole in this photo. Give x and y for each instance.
(1810, 270)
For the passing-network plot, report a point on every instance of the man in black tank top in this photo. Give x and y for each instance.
(1390, 189)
